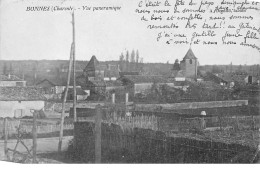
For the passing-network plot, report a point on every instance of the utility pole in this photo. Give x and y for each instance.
(64, 99)
(34, 133)
(74, 71)
(98, 122)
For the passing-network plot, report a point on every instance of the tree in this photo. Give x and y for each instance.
(5, 69)
(137, 56)
(127, 56)
(121, 62)
(35, 70)
(127, 60)
(11, 71)
(58, 71)
(132, 56)
(132, 60)
(137, 60)
(141, 65)
(176, 65)
(216, 69)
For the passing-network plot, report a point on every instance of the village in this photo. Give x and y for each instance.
(190, 102)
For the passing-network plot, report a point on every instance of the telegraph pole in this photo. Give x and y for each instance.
(74, 71)
(72, 62)
(64, 99)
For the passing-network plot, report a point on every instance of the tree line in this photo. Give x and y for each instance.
(132, 62)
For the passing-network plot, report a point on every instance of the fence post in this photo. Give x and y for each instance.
(113, 98)
(5, 136)
(126, 98)
(98, 118)
(253, 119)
(34, 133)
(237, 122)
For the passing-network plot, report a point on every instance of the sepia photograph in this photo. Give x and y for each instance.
(130, 82)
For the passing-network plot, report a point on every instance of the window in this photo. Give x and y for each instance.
(190, 61)
(19, 84)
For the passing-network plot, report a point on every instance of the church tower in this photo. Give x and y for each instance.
(189, 65)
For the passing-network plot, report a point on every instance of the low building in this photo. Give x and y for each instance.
(20, 101)
(80, 94)
(114, 85)
(54, 86)
(11, 80)
(47, 86)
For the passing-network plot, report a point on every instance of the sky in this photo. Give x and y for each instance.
(38, 35)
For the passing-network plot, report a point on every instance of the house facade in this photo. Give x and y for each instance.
(20, 101)
(80, 94)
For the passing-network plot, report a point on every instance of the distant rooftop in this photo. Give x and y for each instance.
(10, 78)
(146, 79)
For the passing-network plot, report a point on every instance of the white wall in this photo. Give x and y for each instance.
(11, 83)
(139, 88)
(8, 108)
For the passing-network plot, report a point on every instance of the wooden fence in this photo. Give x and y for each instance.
(13, 124)
(181, 124)
(138, 145)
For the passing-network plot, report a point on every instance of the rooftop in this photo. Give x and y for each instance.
(189, 55)
(10, 78)
(21, 94)
(146, 79)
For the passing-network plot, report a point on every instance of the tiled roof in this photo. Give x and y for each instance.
(93, 64)
(81, 80)
(189, 55)
(10, 78)
(79, 91)
(54, 81)
(21, 94)
(62, 81)
(146, 79)
(207, 76)
(43, 81)
(229, 77)
(98, 83)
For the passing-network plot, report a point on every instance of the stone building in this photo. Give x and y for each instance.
(96, 71)
(189, 65)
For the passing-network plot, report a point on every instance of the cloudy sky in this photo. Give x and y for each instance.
(48, 35)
